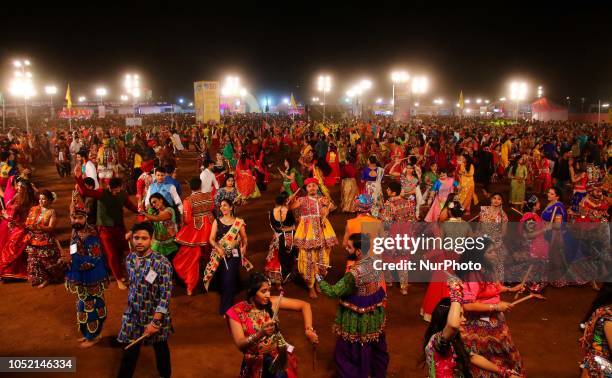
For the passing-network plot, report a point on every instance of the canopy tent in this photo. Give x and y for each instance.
(545, 110)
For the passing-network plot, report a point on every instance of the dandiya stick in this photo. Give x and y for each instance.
(537, 296)
(517, 211)
(136, 341)
(474, 218)
(524, 279)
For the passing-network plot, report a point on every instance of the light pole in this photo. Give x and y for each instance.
(397, 77)
(51, 90)
(231, 90)
(324, 85)
(518, 92)
(131, 84)
(363, 86)
(101, 92)
(600, 105)
(22, 85)
(420, 84)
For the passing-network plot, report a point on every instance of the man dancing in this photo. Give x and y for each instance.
(148, 309)
(361, 348)
(109, 220)
(314, 236)
(87, 277)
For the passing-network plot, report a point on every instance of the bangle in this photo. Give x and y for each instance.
(310, 329)
(156, 323)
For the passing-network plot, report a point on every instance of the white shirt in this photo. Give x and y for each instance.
(75, 146)
(208, 179)
(173, 193)
(90, 171)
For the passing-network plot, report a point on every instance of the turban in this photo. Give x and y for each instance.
(363, 203)
(311, 180)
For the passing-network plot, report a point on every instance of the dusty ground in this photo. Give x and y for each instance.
(37, 322)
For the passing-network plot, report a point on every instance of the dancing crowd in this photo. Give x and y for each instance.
(453, 176)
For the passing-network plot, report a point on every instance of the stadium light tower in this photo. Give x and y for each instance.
(22, 85)
(51, 90)
(397, 77)
(324, 85)
(518, 92)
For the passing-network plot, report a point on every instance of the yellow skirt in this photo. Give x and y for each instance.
(314, 233)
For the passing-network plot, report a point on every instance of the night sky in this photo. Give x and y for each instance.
(277, 51)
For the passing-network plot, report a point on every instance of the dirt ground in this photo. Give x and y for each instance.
(36, 322)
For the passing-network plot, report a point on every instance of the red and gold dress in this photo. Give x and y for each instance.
(44, 263)
(193, 236)
(258, 358)
(13, 260)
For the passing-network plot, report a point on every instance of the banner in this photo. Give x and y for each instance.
(101, 111)
(206, 101)
(75, 113)
(133, 121)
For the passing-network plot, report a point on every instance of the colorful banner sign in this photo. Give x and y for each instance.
(206, 101)
(75, 113)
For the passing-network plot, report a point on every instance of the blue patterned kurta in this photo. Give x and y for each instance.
(145, 299)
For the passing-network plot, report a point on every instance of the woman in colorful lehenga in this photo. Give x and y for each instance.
(334, 163)
(544, 177)
(485, 331)
(245, 181)
(446, 355)
(44, 264)
(292, 179)
(350, 190)
(220, 168)
(579, 180)
(371, 177)
(595, 342)
(518, 177)
(465, 176)
(494, 223)
(13, 260)
(410, 184)
(454, 227)
(535, 248)
(163, 217)
(442, 188)
(255, 329)
(281, 253)
(228, 152)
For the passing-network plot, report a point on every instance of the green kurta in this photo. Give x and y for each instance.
(351, 325)
(228, 153)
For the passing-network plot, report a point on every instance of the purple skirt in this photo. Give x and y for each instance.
(357, 360)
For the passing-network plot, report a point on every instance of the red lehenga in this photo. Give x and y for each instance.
(245, 181)
(192, 237)
(13, 259)
(334, 163)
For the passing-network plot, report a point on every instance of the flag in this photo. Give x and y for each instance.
(68, 98)
(292, 104)
(461, 103)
